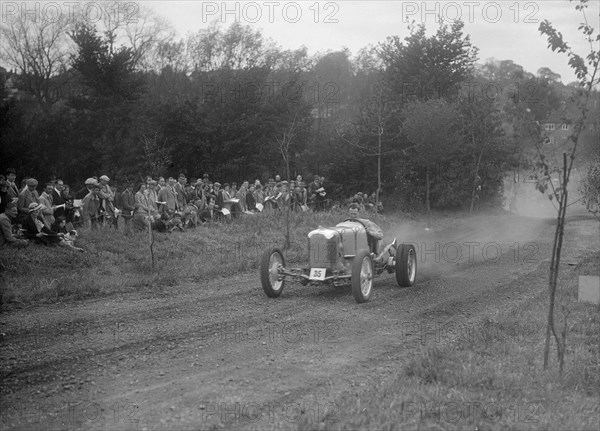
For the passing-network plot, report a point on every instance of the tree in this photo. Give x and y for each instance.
(424, 67)
(432, 126)
(586, 71)
(590, 188)
(39, 49)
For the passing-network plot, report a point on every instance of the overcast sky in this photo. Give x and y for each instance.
(500, 29)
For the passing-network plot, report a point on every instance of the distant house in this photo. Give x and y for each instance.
(558, 127)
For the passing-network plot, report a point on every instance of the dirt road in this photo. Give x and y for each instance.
(223, 355)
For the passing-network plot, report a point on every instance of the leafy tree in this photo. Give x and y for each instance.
(433, 127)
(423, 67)
(586, 71)
(590, 188)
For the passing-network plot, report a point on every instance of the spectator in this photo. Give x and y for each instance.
(208, 214)
(180, 190)
(69, 204)
(7, 238)
(250, 200)
(126, 203)
(46, 201)
(27, 196)
(142, 212)
(5, 197)
(168, 198)
(86, 188)
(36, 230)
(58, 200)
(13, 190)
(152, 193)
(107, 203)
(91, 207)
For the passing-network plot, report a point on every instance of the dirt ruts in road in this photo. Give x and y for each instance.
(223, 354)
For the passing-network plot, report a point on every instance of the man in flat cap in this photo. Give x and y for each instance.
(91, 207)
(27, 196)
(86, 188)
(107, 203)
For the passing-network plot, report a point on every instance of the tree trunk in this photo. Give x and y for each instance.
(428, 206)
(554, 269)
(473, 192)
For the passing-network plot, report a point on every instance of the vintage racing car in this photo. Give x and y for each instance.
(341, 255)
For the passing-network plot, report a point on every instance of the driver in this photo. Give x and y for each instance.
(374, 232)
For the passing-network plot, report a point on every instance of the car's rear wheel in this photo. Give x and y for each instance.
(362, 276)
(270, 262)
(406, 265)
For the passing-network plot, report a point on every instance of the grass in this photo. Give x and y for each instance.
(114, 263)
(492, 378)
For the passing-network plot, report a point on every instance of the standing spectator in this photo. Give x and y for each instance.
(141, 214)
(107, 202)
(13, 190)
(27, 196)
(126, 203)
(7, 238)
(250, 201)
(168, 198)
(86, 188)
(68, 200)
(58, 199)
(48, 206)
(259, 194)
(180, 190)
(4, 196)
(152, 193)
(91, 207)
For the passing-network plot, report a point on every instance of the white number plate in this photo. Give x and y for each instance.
(317, 274)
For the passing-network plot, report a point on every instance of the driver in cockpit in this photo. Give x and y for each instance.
(374, 232)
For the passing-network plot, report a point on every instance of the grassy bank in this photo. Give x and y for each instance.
(490, 376)
(115, 263)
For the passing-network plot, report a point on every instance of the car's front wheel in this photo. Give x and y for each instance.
(406, 265)
(362, 276)
(270, 262)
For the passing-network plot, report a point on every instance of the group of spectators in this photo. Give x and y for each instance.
(163, 204)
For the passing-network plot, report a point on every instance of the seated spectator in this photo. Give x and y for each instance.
(7, 237)
(36, 230)
(208, 213)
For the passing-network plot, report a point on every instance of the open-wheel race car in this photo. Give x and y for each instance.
(347, 253)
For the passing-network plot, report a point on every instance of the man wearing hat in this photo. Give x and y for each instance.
(28, 196)
(107, 202)
(86, 189)
(11, 176)
(91, 207)
(7, 238)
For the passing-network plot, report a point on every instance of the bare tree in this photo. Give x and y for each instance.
(284, 148)
(39, 49)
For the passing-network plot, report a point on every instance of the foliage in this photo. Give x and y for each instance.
(590, 188)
